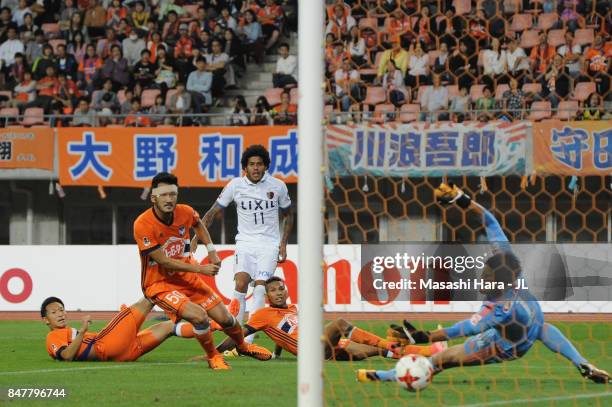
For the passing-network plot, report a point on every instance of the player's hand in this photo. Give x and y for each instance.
(282, 253)
(213, 258)
(86, 323)
(449, 193)
(410, 333)
(208, 269)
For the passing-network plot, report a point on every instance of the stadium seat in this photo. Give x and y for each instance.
(421, 92)
(32, 116)
(169, 95)
(476, 92)
(521, 22)
(534, 88)
(147, 99)
(7, 93)
(583, 90)
(409, 113)
(453, 90)
(273, 95)
(121, 96)
(295, 96)
(191, 9)
(375, 95)
(556, 37)
(584, 36)
(432, 56)
(567, 110)
(511, 6)
(374, 69)
(8, 114)
(547, 20)
(529, 38)
(540, 111)
(55, 43)
(51, 30)
(462, 7)
(500, 90)
(382, 112)
(371, 23)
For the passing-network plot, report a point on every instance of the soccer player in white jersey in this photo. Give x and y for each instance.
(261, 200)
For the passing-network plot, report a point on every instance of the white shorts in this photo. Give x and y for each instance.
(256, 260)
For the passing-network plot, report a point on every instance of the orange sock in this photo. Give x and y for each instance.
(235, 332)
(147, 340)
(367, 338)
(184, 330)
(207, 343)
(418, 350)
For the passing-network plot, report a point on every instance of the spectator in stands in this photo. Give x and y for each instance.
(333, 59)
(549, 6)
(105, 98)
(393, 83)
(233, 48)
(571, 54)
(440, 64)
(356, 48)
(106, 44)
(168, 7)
(9, 48)
(418, 68)
(180, 103)
(434, 101)
(556, 82)
(39, 68)
(226, 21)
(569, 15)
(66, 62)
(20, 12)
(199, 85)
(241, 115)
(286, 70)
(115, 13)
(25, 91)
(261, 113)
(518, 63)
(486, 104)
(399, 27)
(422, 29)
(165, 77)
(5, 22)
(463, 66)
(285, 113)
(223, 74)
(513, 101)
(459, 106)
(139, 17)
(27, 29)
(477, 32)
(75, 25)
(83, 116)
(116, 68)
(88, 69)
(95, 19)
(144, 70)
(65, 93)
(252, 37)
(592, 109)
(154, 44)
(398, 55)
(45, 87)
(347, 86)
(271, 19)
(170, 33)
(126, 105)
(450, 28)
(541, 56)
(132, 48)
(136, 117)
(157, 112)
(495, 65)
(34, 49)
(597, 61)
(77, 47)
(15, 73)
(389, 5)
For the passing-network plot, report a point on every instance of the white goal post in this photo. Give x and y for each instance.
(311, 204)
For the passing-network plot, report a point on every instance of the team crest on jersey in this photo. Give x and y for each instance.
(182, 230)
(146, 241)
(270, 195)
(53, 346)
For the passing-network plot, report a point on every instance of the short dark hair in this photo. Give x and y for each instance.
(286, 45)
(200, 59)
(272, 280)
(256, 150)
(50, 300)
(164, 178)
(506, 267)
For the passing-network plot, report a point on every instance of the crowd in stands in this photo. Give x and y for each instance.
(155, 62)
(150, 61)
(458, 60)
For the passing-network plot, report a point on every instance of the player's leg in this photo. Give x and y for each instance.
(243, 274)
(150, 338)
(265, 266)
(554, 340)
(198, 317)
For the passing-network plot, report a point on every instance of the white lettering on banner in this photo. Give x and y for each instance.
(68, 272)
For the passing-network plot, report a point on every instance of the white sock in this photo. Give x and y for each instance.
(389, 354)
(177, 328)
(259, 301)
(241, 297)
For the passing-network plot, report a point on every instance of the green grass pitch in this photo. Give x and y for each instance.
(164, 377)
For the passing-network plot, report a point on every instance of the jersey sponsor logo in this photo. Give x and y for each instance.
(146, 241)
(174, 247)
(257, 205)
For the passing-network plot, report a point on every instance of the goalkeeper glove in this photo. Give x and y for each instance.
(408, 333)
(449, 193)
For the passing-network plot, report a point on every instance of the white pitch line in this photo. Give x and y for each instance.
(532, 400)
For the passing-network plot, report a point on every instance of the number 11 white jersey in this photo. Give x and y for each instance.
(257, 206)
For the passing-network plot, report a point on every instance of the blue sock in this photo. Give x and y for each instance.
(386, 375)
(554, 340)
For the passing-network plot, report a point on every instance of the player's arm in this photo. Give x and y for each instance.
(70, 352)
(166, 262)
(210, 215)
(203, 236)
(287, 219)
(229, 343)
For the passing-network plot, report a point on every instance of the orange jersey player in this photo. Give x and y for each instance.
(343, 341)
(169, 277)
(119, 341)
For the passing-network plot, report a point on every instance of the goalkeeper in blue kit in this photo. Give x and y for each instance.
(509, 321)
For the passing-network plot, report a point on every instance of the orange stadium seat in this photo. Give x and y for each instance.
(169, 95)
(567, 110)
(51, 30)
(540, 111)
(532, 88)
(556, 37)
(584, 36)
(500, 90)
(32, 116)
(409, 113)
(375, 95)
(371, 23)
(476, 91)
(453, 90)
(521, 22)
(7, 93)
(420, 93)
(8, 114)
(583, 90)
(191, 9)
(462, 6)
(273, 95)
(547, 20)
(147, 99)
(529, 38)
(382, 112)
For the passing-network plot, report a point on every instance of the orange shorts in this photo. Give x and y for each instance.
(172, 297)
(119, 341)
